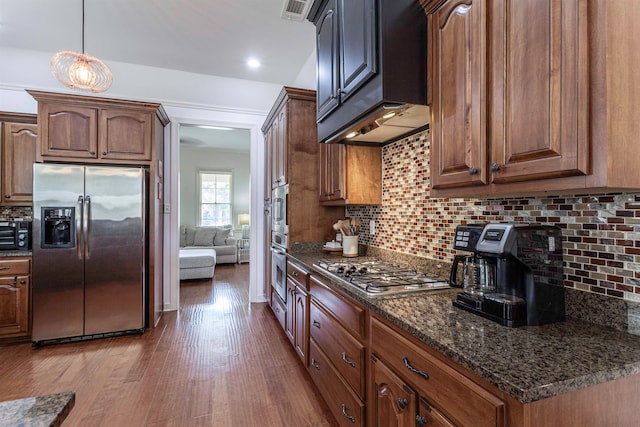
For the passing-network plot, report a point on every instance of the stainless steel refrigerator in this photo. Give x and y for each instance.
(88, 251)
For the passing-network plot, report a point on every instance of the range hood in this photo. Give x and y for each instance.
(384, 125)
(390, 101)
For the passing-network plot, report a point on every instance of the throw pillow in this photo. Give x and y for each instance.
(189, 235)
(221, 237)
(183, 236)
(204, 236)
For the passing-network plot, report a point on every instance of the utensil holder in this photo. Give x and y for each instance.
(350, 246)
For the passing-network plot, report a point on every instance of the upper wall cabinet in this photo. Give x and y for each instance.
(370, 58)
(531, 95)
(346, 51)
(19, 137)
(75, 128)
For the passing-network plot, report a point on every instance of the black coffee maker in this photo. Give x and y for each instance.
(514, 274)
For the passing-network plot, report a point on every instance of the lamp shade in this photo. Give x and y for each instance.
(243, 219)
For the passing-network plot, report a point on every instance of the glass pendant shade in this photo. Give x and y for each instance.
(81, 71)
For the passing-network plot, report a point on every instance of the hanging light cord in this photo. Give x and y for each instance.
(83, 26)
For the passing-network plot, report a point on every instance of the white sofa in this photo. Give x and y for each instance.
(201, 248)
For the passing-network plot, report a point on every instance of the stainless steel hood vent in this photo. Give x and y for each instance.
(385, 124)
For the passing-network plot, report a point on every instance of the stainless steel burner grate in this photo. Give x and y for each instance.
(377, 278)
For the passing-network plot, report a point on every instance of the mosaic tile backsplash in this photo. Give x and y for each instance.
(601, 232)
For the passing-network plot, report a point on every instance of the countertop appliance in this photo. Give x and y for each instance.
(89, 251)
(527, 265)
(376, 278)
(15, 235)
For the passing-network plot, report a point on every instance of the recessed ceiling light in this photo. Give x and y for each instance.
(253, 63)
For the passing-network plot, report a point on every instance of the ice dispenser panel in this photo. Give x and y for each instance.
(58, 225)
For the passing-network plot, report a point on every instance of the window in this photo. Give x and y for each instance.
(215, 198)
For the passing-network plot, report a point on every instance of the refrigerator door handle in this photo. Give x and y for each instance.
(79, 227)
(87, 231)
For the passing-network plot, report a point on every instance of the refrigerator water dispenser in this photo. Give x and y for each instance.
(58, 225)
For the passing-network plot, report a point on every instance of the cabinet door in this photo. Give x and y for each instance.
(301, 327)
(18, 154)
(281, 147)
(394, 402)
(457, 64)
(428, 416)
(358, 48)
(14, 306)
(67, 131)
(268, 174)
(125, 135)
(327, 61)
(275, 153)
(539, 126)
(289, 323)
(332, 172)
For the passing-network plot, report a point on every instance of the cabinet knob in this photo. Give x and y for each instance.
(104, 153)
(421, 421)
(92, 152)
(7, 196)
(494, 167)
(473, 171)
(403, 403)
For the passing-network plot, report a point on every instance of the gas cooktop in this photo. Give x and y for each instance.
(378, 278)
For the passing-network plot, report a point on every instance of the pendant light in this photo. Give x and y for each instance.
(79, 70)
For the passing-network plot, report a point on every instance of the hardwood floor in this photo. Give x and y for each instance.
(218, 361)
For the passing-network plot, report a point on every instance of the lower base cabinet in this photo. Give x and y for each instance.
(15, 283)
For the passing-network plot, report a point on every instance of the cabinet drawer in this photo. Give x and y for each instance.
(345, 406)
(345, 353)
(298, 275)
(278, 309)
(13, 267)
(457, 396)
(349, 315)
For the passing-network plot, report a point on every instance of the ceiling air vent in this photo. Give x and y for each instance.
(295, 9)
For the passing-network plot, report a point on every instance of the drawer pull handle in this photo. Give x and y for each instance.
(423, 374)
(347, 361)
(346, 414)
(4, 268)
(315, 364)
(316, 324)
(403, 403)
(421, 421)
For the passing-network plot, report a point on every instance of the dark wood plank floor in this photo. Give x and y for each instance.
(218, 361)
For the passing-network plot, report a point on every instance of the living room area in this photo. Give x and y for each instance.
(214, 199)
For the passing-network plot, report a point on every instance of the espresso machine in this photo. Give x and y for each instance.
(512, 275)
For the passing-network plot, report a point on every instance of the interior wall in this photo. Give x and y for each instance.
(194, 160)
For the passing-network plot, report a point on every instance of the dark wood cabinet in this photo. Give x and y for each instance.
(520, 105)
(15, 288)
(327, 48)
(345, 51)
(75, 128)
(297, 318)
(18, 154)
(393, 402)
(538, 76)
(291, 139)
(350, 174)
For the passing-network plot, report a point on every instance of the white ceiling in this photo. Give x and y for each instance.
(212, 37)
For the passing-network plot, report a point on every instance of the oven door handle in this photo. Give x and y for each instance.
(277, 251)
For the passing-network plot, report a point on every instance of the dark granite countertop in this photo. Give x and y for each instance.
(529, 363)
(50, 410)
(6, 254)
